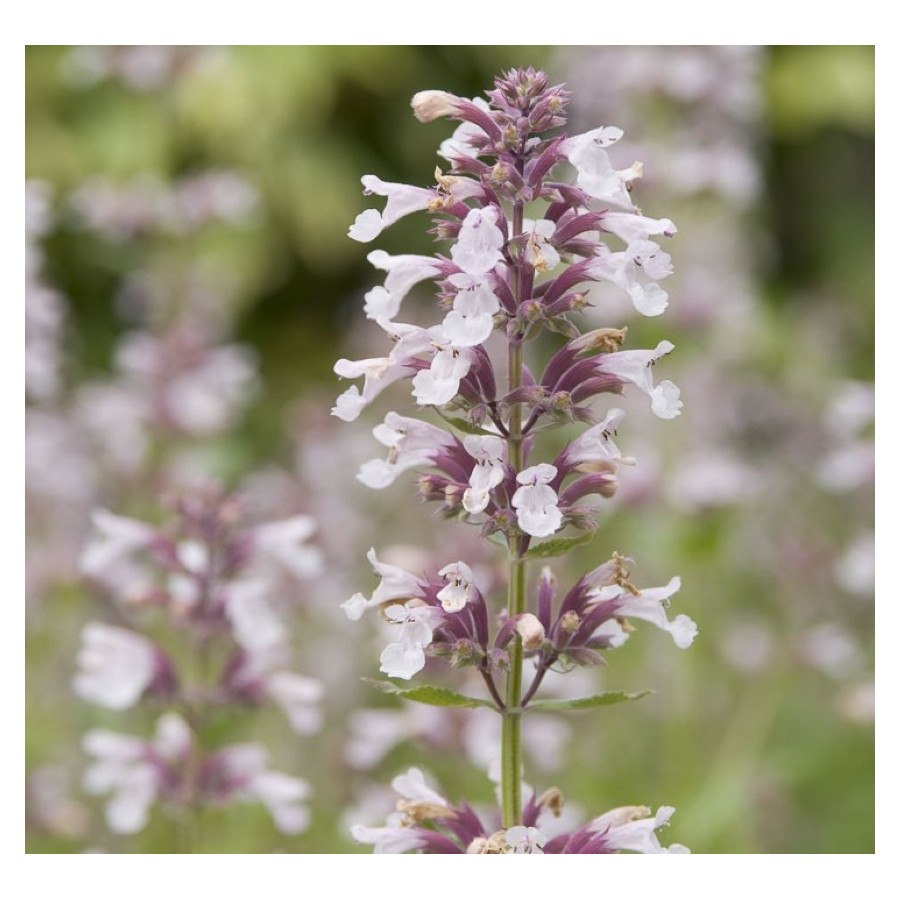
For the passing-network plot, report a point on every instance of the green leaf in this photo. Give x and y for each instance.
(429, 694)
(558, 546)
(606, 699)
(464, 425)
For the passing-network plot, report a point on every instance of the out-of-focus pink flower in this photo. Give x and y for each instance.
(117, 666)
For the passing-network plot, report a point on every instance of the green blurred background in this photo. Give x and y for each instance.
(769, 758)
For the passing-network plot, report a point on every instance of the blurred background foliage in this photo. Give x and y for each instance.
(757, 757)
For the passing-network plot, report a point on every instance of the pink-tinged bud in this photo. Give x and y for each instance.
(430, 105)
(531, 631)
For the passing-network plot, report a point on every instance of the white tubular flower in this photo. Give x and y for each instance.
(520, 839)
(596, 176)
(379, 372)
(458, 591)
(635, 366)
(535, 501)
(396, 584)
(402, 199)
(123, 769)
(117, 537)
(626, 269)
(405, 657)
(299, 699)
(116, 666)
(388, 839)
(471, 320)
(633, 828)
(439, 384)
(487, 451)
(597, 445)
(410, 443)
(477, 249)
(283, 543)
(404, 272)
(411, 786)
(281, 794)
(631, 227)
(539, 252)
(650, 605)
(256, 626)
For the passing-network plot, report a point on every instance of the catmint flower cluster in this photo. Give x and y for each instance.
(460, 829)
(205, 635)
(507, 280)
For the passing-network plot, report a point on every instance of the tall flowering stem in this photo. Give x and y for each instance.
(509, 278)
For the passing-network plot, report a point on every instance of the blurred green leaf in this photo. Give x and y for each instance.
(429, 694)
(606, 699)
(558, 546)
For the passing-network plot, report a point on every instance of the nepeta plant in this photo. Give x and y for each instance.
(509, 280)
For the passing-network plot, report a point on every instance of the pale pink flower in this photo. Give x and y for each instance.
(117, 666)
(477, 249)
(635, 366)
(650, 605)
(458, 591)
(396, 584)
(488, 452)
(403, 273)
(284, 544)
(244, 766)
(634, 828)
(116, 538)
(410, 443)
(536, 502)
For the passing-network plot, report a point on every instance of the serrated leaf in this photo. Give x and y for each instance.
(558, 546)
(429, 694)
(606, 699)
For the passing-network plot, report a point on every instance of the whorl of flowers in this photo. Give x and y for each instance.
(460, 829)
(505, 279)
(205, 635)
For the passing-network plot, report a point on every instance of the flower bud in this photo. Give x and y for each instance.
(570, 622)
(430, 105)
(478, 845)
(531, 631)
(463, 654)
(500, 174)
(510, 136)
(561, 401)
(604, 340)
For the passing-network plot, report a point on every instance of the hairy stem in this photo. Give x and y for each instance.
(511, 754)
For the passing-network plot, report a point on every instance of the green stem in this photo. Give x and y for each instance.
(511, 735)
